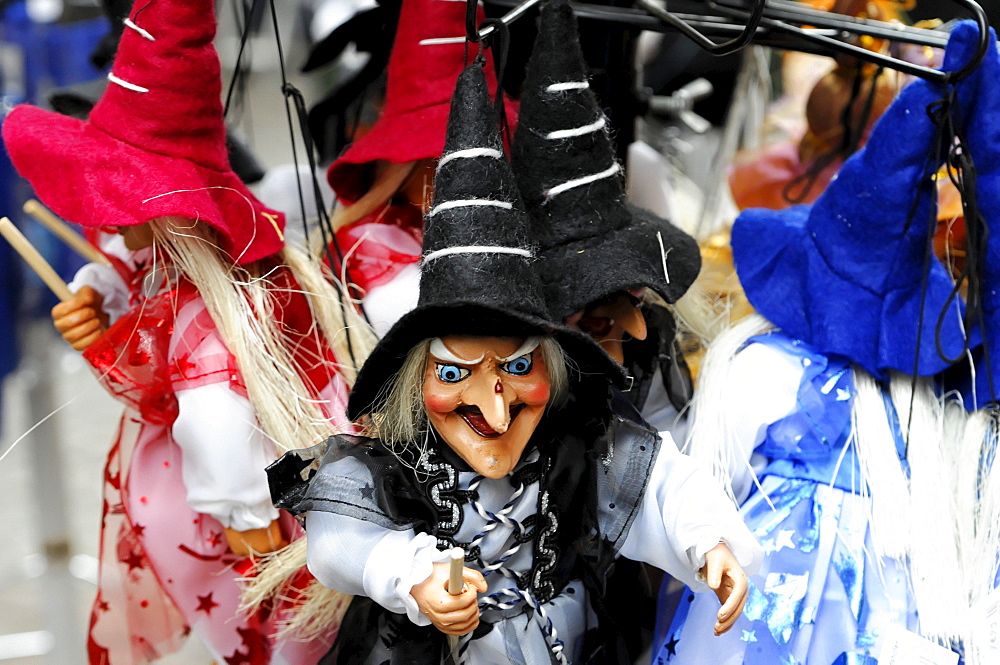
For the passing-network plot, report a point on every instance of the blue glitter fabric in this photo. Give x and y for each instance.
(819, 598)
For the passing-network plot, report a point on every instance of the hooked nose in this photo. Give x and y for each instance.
(487, 392)
(631, 320)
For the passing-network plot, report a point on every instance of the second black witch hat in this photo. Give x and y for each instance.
(593, 243)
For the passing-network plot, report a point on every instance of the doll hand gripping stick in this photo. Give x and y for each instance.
(79, 318)
(452, 614)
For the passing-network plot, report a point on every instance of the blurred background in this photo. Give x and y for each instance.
(56, 423)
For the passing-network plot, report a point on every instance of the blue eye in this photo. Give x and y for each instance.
(451, 373)
(518, 366)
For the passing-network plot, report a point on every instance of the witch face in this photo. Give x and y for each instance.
(137, 237)
(612, 321)
(485, 396)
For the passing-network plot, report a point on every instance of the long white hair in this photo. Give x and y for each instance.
(241, 302)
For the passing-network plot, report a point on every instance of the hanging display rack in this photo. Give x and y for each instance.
(779, 23)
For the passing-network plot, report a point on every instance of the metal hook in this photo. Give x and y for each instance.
(777, 23)
(780, 10)
(471, 32)
(984, 41)
(724, 48)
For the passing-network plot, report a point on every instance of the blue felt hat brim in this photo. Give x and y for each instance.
(788, 280)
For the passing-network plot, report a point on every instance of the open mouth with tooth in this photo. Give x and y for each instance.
(474, 418)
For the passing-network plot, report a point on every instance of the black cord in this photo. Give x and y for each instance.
(937, 111)
(245, 34)
(289, 91)
(850, 140)
(498, 41)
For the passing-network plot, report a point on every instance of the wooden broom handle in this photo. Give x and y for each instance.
(64, 232)
(34, 259)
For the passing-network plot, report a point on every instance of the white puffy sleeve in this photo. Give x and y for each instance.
(364, 559)
(224, 451)
(734, 404)
(682, 515)
(224, 454)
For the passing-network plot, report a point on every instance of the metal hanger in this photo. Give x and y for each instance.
(780, 12)
(692, 33)
(777, 23)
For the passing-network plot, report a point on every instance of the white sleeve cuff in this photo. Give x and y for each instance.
(683, 514)
(246, 518)
(399, 561)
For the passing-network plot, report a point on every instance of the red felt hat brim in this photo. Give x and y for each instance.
(93, 179)
(402, 137)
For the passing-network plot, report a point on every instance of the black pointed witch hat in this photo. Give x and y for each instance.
(592, 241)
(477, 270)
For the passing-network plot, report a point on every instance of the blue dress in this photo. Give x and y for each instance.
(820, 597)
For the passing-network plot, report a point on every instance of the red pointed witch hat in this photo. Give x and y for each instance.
(154, 144)
(427, 56)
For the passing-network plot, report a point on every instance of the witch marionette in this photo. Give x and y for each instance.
(496, 430)
(866, 482)
(230, 343)
(602, 260)
(384, 180)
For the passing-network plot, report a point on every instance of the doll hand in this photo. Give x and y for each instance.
(81, 320)
(725, 577)
(453, 615)
(256, 541)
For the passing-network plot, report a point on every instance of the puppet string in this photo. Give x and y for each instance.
(849, 141)
(939, 112)
(326, 230)
(34, 427)
(499, 41)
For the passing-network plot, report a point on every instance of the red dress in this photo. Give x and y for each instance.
(165, 567)
(381, 262)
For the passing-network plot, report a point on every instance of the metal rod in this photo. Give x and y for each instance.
(510, 16)
(776, 29)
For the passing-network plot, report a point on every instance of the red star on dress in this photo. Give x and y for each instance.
(137, 530)
(257, 652)
(183, 365)
(205, 603)
(238, 658)
(133, 560)
(102, 606)
(214, 538)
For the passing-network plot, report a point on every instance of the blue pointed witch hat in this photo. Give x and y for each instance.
(852, 274)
